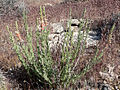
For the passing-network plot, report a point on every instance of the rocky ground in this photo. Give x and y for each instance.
(102, 14)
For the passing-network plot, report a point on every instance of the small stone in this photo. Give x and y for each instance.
(74, 28)
(104, 88)
(57, 28)
(75, 22)
(51, 37)
(75, 36)
(48, 4)
(90, 40)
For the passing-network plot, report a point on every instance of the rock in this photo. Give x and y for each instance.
(2, 80)
(51, 37)
(57, 28)
(75, 22)
(56, 39)
(50, 43)
(48, 4)
(74, 28)
(75, 35)
(104, 88)
(109, 76)
(91, 40)
(58, 35)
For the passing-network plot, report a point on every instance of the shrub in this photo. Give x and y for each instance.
(37, 58)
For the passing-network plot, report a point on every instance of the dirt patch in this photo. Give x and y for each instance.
(95, 10)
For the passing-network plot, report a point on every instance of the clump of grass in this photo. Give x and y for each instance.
(37, 58)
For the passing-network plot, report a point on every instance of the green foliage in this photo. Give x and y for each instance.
(110, 34)
(37, 58)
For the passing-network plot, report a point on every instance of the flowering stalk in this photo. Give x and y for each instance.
(111, 31)
(18, 36)
(42, 25)
(43, 18)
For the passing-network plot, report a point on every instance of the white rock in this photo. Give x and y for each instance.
(56, 39)
(57, 28)
(2, 80)
(52, 36)
(110, 75)
(75, 21)
(74, 28)
(75, 35)
(48, 4)
(91, 40)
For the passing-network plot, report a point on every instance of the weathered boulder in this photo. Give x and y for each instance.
(57, 37)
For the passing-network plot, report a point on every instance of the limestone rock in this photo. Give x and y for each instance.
(57, 37)
(57, 28)
(75, 22)
(74, 28)
(52, 36)
(91, 39)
